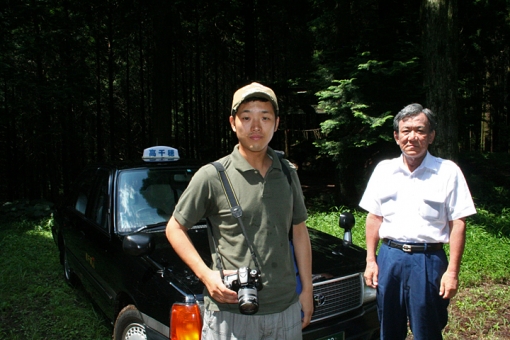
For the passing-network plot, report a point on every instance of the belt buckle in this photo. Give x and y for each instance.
(407, 248)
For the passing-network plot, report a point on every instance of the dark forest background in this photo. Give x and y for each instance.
(99, 80)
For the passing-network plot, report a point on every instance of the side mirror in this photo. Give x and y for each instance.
(346, 222)
(138, 244)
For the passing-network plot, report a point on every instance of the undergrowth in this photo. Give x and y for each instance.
(35, 301)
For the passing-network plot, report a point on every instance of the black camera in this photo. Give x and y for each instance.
(246, 282)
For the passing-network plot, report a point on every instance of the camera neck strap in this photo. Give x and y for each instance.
(237, 212)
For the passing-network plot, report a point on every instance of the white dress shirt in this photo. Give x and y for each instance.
(416, 206)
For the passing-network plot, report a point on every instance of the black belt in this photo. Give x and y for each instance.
(413, 247)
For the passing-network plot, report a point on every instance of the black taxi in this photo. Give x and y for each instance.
(110, 233)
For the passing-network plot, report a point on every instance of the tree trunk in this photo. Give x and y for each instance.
(162, 86)
(141, 76)
(100, 143)
(440, 51)
(111, 75)
(249, 38)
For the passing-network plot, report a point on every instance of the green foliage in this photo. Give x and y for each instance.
(359, 115)
(86, 81)
(486, 254)
(350, 125)
(35, 301)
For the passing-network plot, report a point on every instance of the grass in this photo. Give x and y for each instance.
(35, 302)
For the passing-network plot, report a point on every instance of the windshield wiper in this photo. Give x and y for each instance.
(150, 226)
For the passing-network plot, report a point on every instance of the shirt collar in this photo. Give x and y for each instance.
(242, 164)
(428, 163)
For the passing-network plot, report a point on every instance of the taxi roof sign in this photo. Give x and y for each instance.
(160, 154)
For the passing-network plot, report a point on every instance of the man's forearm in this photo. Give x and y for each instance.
(178, 237)
(373, 224)
(303, 253)
(457, 244)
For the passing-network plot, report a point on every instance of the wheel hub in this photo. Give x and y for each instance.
(135, 332)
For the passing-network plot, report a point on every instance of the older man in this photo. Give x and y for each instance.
(415, 203)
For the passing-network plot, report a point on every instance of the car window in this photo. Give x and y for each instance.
(100, 200)
(84, 186)
(148, 196)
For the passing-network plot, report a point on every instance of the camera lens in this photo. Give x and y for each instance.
(248, 302)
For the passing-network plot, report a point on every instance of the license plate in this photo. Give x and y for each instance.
(336, 336)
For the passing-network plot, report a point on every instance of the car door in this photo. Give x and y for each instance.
(75, 220)
(87, 232)
(97, 249)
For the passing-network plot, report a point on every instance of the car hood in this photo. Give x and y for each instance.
(331, 257)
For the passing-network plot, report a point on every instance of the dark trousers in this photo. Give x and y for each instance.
(409, 289)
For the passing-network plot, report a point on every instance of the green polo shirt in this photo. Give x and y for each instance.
(270, 205)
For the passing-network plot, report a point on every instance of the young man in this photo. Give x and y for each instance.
(271, 205)
(415, 204)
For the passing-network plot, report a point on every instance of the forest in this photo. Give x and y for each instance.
(100, 80)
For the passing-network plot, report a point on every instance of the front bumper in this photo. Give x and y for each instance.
(362, 323)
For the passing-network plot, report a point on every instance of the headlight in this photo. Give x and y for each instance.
(185, 322)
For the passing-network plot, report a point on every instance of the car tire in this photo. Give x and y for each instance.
(69, 275)
(129, 325)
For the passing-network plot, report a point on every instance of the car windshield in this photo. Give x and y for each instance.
(147, 197)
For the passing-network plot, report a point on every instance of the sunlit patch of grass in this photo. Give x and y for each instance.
(35, 301)
(328, 222)
(487, 248)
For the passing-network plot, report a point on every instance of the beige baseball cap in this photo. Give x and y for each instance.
(251, 91)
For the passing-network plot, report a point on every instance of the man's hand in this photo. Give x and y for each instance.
(449, 285)
(450, 279)
(371, 274)
(306, 300)
(217, 288)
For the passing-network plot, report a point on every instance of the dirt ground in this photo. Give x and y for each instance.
(477, 313)
(477, 321)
